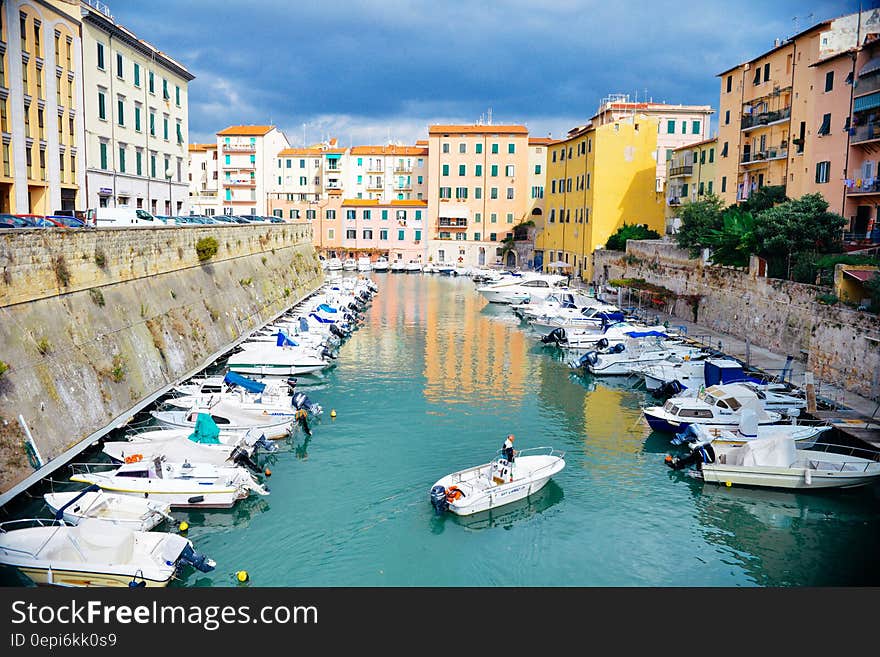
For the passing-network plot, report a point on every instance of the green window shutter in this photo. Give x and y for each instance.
(711, 156)
(476, 237)
(103, 155)
(102, 110)
(684, 189)
(137, 74)
(153, 169)
(695, 157)
(511, 148)
(494, 148)
(228, 160)
(418, 235)
(152, 82)
(478, 170)
(385, 215)
(445, 169)
(670, 127)
(709, 187)
(400, 235)
(101, 55)
(177, 96)
(165, 93)
(494, 170)
(702, 157)
(695, 127)
(479, 148)
(418, 215)
(478, 192)
(179, 134)
(120, 111)
(138, 163)
(153, 125)
(121, 160)
(461, 169)
(137, 119)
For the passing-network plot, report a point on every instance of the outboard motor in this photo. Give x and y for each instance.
(266, 444)
(364, 297)
(326, 353)
(302, 403)
(591, 357)
(603, 343)
(700, 454)
(617, 349)
(438, 500)
(198, 561)
(240, 457)
(335, 330)
(557, 335)
(689, 435)
(669, 389)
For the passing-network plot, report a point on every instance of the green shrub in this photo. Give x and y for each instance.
(119, 368)
(62, 273)
(617, 242)
(827, 299)
(44, 346)
(100, 258)
(3, 368)
(97, 296)
(206, 248)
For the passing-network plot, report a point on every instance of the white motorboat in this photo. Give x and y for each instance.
(186, 485)
(776, 462)
(381, 264)
(95, 553)
(529, 287)
(804, 435)
(444, 268)
(677, 374)
(398, 267)
(364, 264)
(414, 267)
(559, 305)
(334, 264)
(602, 338)
(622, 358)
(593, 318)
(122, 510)
(350, 264)
(274, 423)
(714, 405)
(496, 483)
(267, 359)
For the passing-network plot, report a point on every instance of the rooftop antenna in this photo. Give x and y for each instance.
(489, 122)
(304, 135)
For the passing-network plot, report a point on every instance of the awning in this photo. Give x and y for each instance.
(872, 66)
(452, 211)
(867, 102)
(334, 156)
(558, 263)
(860, 274)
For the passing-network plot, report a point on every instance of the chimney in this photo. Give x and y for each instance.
(776, 43)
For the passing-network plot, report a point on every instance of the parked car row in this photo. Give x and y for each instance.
(124, 217)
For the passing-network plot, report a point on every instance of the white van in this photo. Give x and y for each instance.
(111, 217)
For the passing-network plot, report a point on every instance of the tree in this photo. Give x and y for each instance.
(765, 198)
(803, 224)
(698, 219)
(872, 287)
(733, 243)
(617, 242)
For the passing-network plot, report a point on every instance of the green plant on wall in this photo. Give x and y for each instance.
(44, 346)
(97, 296)
(100, 258)
(3, 368)
(62, 273)
(206, 248)
(119, 369)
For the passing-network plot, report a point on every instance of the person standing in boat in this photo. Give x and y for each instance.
(508, 450)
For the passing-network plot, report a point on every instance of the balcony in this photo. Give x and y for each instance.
(248, 166)
(673, 201)
(776, 153)
(404, 170)
(866, 85)
(763, 119)
(239, 148)
(864, 188)
(375, 168)
(685, 170)
(865, 133)
(375, 187)
(404, 187)
(451, 222)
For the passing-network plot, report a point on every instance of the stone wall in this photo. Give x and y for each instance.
(841, 346)
(82, 355)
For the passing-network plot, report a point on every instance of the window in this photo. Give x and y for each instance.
(493, 218)
(137, 74)
(122, 159)
(165, 128)
(670, 127)
(709, 186)
(508, 171)
(445, 147)
(330, 214)
(724, 150)
(383, 234)
(137, 118)
(153, 170)
(165, 93)
(766, 71)
(119, 69)
(478, 149)
(367, 215)
(138, 163)
(509, 193)
(493, 237)
(757, 79)
(695, 127)
(461, 169)
(446, 192)
(120, 111)
(729, 83)
(368, 234)
(702, 156)
(478, 170)
(537, 192)
(102, 109)
(103, 149)
(101, 56)
(511, 148)
(418, 235)
(478, 192)
(701, 188)
(177, 95)
(495, 148)
(418, 215)
(462, 148)
(493, 193)
(510, 217)
(553, 186)
(401, 235)
(151, 82)
(476, 237)
(822, 169)
(445, 170)
(825, 128)
(351, 234)
(588, 180)
(477, 217)
(711, 155)
(350, 214)
(684, 189)
(153, 129)
(461, 192)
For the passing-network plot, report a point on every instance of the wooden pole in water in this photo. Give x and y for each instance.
(810, 392)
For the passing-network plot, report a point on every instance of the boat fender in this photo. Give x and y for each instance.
(808, 477)
(134, 458)
(454, 493)
(196, 499)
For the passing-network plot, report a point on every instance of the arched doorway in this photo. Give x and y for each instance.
(511, 259)
(481, 257)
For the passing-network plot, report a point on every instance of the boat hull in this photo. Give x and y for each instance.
(504, 494)
(204, 497)
(790, 478)
(79, 578)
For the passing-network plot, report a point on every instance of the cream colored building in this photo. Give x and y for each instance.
(41, 115)
(478, 177)
(203, 179)
(390, 172)
(136, 119)
(248, 157)
(691, 177)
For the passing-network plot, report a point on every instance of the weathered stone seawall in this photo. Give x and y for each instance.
(839, 345)
(92, 323)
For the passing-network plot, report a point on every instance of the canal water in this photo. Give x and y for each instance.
(432, 383)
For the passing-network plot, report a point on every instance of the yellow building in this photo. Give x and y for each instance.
(690, 177)
(598, 178)
(40, 113)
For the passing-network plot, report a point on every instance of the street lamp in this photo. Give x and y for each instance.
(168, 174)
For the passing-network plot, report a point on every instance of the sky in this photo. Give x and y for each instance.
(374, 71)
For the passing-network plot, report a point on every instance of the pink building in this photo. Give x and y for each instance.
(370, 227)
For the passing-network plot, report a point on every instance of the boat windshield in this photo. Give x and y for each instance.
(733, 403)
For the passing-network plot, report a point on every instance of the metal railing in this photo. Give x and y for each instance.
(871, 455)
(866, 85)
(861, 187)
(765, 118)
(685, 170)
(865, 133)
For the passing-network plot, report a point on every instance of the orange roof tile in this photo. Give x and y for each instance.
(478, 129)
(247, 130)
(300, 151)
(412, 202)
(696, 143)
(390, 149)
(540, 141)
(360, 201)
(421, 142)
(201, 147)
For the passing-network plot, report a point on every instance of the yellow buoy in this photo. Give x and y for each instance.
(242, 576)
(183, 526)
(728, 484)
(333, 413)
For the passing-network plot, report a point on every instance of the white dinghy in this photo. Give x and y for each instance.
(496, 483)
(121, 510)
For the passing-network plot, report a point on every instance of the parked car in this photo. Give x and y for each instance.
(64, 221)
(239, 219)
(35, 220)
(11, 221)
(224, 219)
(274, 220)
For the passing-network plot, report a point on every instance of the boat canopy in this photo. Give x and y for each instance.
(717, 371)
(284, 340)
(646, 334)
(235, 379)
(327, 309)
(303, 324)
(206, 430)
(320, 319)
(774, 451)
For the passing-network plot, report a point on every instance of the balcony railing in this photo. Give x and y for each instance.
(447, 222)
(776, 153)
(373, 168)
(685, 170)
(403, 170)
(865, 133)
(765, 118)
(861, 187)
(240, 148)
(673, 201)
(402, 188)
(375, 187)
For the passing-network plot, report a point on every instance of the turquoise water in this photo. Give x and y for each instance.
(432, 383)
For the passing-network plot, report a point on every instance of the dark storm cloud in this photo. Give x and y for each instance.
(367, 70)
